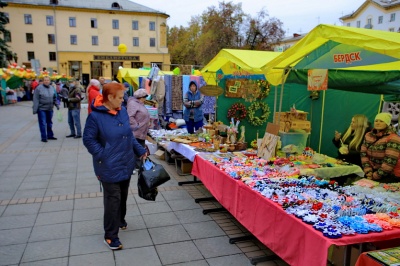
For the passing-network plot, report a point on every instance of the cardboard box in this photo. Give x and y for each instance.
(186, 166)
(160, 154)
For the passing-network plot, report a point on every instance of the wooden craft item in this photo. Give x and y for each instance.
(211, 90)
(267, 147)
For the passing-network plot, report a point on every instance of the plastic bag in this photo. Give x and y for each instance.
(59, 116)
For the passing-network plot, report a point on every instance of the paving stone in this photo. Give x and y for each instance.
(33, 185)
(51, 262)
(191, 216)
(31, 193)
(54, 183)
(192, 263)
(144, 256)
(178, 252)
(168, 234)
(81, 245)
(22, 209)
(85, 228)
(216, 247)
(135, 222)
(19, 221)
(88, 214)
(183, 204)
(2, 208)
(135, 238)
(54, 217)
(64, 205)
(7, 195)
(139, 200)
(46, 250)
(203, 229)
(160, 219)
(132, 209)
(7, 187)
(232, 260)
(14, 236)
(57, 191)
(37, 178)
(50, 232)
(176, 195)
(86, 189)
(11, 254)
(88, 203)
(97, 259)
(156, 207)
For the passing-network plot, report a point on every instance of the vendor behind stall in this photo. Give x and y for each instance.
(380, 151)
(350, 144)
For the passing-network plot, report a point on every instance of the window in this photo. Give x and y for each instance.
(7, 36)
(135, 25)
(49, 20)
(7, 16)
(391, 29)
(358, 24)
(348, 24)
(152, 25)
(28, 18)
(31, 55)
(51, 38)
(115, 24)
(392, 17)
(369, 21)
(53, 2)
(135, 41)
(93, 23)
(72, 22)
(115, 5)
(73, 39)
(152, 42)
(95, 40)
(52, 56)
(29, 37)
(115, 40)
(380, 19)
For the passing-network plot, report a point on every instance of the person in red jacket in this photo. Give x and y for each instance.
(92, 91)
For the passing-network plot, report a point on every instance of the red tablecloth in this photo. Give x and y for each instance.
(287, 236)
(365, 260)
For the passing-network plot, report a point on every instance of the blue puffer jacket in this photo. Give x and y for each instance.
(108, 137)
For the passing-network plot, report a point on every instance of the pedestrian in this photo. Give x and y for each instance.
(74, 110)
(92, 92)
(44, 99)
(110, 141)
(193, 113)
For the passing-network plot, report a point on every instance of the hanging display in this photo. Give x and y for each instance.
(255, 120)
(237, 111)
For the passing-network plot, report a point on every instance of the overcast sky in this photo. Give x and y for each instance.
(297, 16)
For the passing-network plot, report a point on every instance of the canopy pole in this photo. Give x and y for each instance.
(284, 76)
(275, 100)
(322, 121)
(380, 103)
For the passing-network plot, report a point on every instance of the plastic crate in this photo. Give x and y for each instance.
(295, 138)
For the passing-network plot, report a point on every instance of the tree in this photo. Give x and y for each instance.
(225, 26)
(5, 53)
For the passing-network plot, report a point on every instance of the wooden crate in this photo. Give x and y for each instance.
(295, 124)
(290, 116)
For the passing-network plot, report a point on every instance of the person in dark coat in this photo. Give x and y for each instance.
(193, 113)
(109, 139)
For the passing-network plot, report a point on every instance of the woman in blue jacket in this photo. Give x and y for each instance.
(110, 141)
(193, 113)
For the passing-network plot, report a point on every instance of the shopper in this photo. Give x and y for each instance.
(92, 92)
(350, 144)
(109, 139)
(44, 99)
(139, 117)
(381, 150)
(193, 113)
(74, 110)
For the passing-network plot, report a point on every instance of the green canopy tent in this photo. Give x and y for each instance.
(358, 60)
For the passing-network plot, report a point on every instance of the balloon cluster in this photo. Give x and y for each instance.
(18, 71)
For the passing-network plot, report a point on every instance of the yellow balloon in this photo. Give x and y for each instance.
(122, 48)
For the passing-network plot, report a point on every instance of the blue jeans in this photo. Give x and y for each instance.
(74, 121)
(191, 126)
(45, 124)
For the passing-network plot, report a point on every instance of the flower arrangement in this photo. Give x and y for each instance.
(254, 120)
(264, 88)
(237, 111)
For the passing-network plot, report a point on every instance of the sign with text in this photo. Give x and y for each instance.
(116, 57)
(317, 80)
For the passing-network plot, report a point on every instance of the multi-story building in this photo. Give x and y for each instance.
(81, 38)
(288, 42)
(375, 14)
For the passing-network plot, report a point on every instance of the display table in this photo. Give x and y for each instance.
(186, 150)
(287, 236)
(333, 172)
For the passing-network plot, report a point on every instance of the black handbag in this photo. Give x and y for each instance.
(144, 192)
(154, 176)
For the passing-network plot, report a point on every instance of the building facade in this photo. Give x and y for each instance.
(82, 38)
(375, 14)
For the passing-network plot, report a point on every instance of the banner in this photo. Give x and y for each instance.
(317, 80)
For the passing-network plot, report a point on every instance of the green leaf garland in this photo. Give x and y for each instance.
(258, 121)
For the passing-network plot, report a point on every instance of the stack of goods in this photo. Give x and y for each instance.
(294, 120)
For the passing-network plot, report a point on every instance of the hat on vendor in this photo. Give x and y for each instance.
(140, 93)
(385, 117)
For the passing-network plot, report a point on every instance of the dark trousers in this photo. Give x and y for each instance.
(115, 196)
(191, 126)
(45, 124)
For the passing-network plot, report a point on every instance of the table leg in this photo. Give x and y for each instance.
(207, 211)
(195, 181)
(256, 260)
(204, 199)
(347, 255)
(233, 240)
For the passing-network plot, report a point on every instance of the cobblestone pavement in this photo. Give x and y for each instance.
(51, 208)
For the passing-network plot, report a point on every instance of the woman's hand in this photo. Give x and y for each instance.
(337, 135)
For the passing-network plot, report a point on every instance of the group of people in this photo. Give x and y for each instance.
(376, 149)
